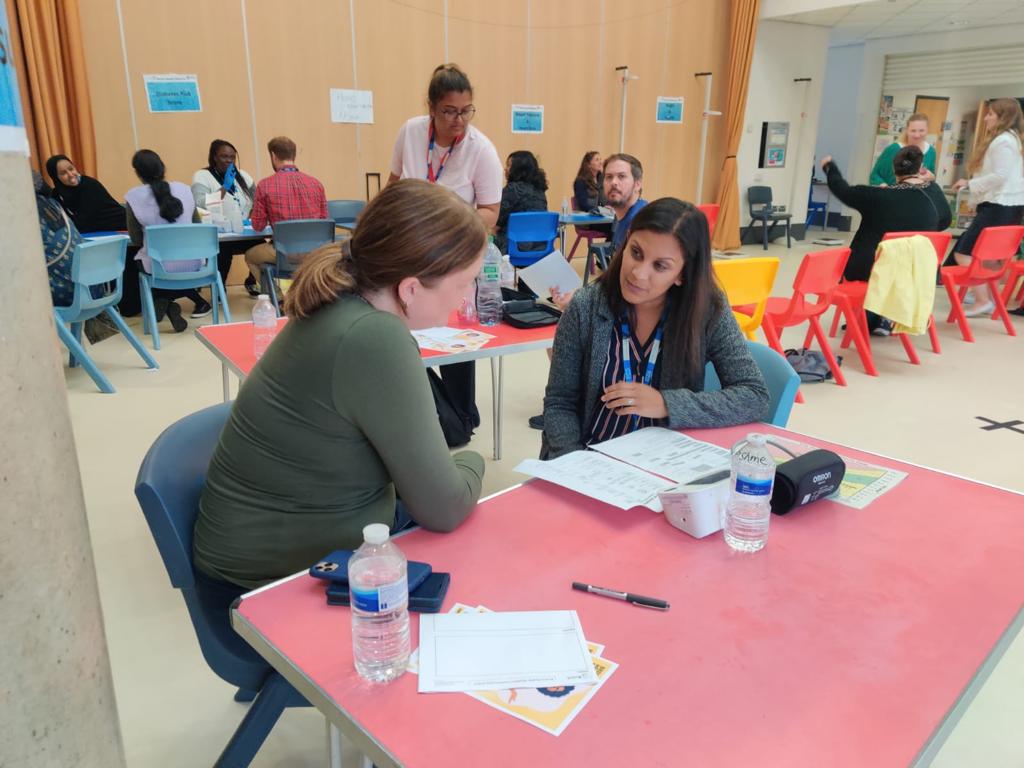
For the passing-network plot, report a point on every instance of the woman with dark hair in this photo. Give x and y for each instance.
(157, 201)
(631, 348)
(353, 442)
(86, 200)
(525, 185)
(588, 188)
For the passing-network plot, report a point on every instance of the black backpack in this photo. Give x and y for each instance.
(456, 425)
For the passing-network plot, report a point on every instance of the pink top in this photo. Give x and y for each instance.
(473, 171)
(843, 643)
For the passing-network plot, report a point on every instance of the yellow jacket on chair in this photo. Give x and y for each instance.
(902, 283)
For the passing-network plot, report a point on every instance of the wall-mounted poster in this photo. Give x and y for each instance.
(670, 109)
(774, 139)
(172, 93)
(527, 118)
(349, 106)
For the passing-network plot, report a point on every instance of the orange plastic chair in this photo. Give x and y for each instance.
(710, 210)
(819, 275)
(747, 284)
(993, 253)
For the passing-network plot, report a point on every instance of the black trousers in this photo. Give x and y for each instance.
(460, 381)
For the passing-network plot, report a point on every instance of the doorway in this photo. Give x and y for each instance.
(935, 108)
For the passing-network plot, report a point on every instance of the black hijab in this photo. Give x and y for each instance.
(88, 204)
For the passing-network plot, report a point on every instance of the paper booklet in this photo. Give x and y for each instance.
(630, 471)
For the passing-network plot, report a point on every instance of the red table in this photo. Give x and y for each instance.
(845, 642)
(231, 343)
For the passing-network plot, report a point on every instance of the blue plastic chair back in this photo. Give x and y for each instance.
(94, 263)
(167, 243)
(294, 239)
(783, 382)
(345, 212)
(531, 227)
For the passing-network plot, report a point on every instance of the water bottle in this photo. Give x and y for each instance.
(488, 287)
(508, 273)
(264, 325)
(379, 590)
(565, 207)
(233, 214)
(467, 308)
(748, 510)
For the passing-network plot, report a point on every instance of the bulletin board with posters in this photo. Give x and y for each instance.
(892, 119)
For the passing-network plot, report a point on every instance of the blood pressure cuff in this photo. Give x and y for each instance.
(806, 478)
(529, 314)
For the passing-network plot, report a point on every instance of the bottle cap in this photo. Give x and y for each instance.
(263, 296)
(376, 533)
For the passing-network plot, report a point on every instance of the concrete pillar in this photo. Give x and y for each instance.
(57, 703)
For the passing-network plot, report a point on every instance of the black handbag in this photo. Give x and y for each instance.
(527, 313)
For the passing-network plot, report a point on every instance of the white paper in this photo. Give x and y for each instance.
(451, 340)
(600, 478)
(488, 651)
(553, 271)
(667, 453)
(349, 106)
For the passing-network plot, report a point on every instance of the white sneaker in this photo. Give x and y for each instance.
(983, 310)
(968, 299)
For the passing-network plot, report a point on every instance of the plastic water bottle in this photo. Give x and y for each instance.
(233, 214)
(508, 273)
(565, 206)
(748, 510)
(488, 287)
(379, 589)
(467, 309)
(264, 325)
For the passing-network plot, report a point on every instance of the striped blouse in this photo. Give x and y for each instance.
(606, 423)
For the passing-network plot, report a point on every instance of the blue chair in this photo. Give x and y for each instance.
(169, 243)
(96, 263)
(292, 241)
(345, 212)
(783, 382)
(532, 227)
(168, 488)
(815, 207)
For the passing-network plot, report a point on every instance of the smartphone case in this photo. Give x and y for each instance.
(426, 598)
(334, 568)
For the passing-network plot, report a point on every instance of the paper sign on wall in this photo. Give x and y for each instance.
(670, 109)
(350, 106)
(527, 118)
(172, 93)
(12, 125)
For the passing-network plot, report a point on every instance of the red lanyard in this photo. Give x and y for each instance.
(431, 177)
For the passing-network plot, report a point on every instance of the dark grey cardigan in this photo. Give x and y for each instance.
(579, 355)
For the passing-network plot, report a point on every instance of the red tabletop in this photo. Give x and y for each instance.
(232, 342)
(843, 643)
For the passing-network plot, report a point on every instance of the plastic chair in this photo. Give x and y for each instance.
(759, 205)
(293, 240)
(168, 488)
(168, 245)
(747, 284)
(582, 233)
(1014, 272)
(783, 382)
(819, 274)
(815, 206)
(710, 211)
(993, 253)
(96, 262)
(531, 227)
(345, 212)
(598, 254)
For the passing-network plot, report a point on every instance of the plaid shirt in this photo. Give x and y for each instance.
(288, 194)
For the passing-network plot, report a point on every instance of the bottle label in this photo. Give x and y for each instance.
(492, 272)
(386, 597)
(751, 487)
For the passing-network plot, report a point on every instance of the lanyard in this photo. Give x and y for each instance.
(431, 177)
(652, 358)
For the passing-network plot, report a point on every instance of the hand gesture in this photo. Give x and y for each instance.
(825, 162)
(561, 299)
(959, 184)
(635, 399)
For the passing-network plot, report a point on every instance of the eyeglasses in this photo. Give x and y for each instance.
(450, 113)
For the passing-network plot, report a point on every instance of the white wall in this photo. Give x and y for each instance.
(837, 123)
(783, 52)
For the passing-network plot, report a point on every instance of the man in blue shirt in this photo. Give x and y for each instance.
(623, 183)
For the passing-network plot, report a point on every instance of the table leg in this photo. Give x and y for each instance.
(561, 237)
(497, 369)
(333, 746)
(225, 381)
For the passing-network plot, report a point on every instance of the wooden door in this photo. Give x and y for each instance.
(935, 107)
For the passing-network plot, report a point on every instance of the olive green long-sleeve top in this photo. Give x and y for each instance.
(335, 418)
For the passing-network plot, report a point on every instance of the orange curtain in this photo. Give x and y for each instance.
(742, 31)
(50, 59)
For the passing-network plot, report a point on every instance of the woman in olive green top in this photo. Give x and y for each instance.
(337, 417)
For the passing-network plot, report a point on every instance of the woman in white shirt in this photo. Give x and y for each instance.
(443, 148)
(996, 186)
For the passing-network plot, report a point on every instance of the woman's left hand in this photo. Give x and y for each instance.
(629, 399)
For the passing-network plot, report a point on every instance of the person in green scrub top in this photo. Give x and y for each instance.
(915, 132)
(337, 418)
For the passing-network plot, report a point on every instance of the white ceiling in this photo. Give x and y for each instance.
(858, 22)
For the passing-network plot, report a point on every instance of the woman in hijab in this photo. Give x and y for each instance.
(86, 200)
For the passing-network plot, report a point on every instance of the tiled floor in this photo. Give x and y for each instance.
(175, 712)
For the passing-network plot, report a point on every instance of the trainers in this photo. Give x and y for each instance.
(1019, 311)
(537, 422)
(981, 310)
(178, 323)
(201, 309)
(884, 328)
(251, 287)
(968, 299)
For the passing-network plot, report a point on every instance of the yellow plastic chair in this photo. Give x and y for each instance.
(747, 284)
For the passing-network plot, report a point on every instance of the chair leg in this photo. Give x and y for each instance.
(572, 251)
(764, 233)
(908, 347)
(857, 332)
(222, 291)
(789, 242)
(76, 331)
(957, 309)
(122, 326)
(771, 335)
(263, 714)
(933, 334)
(79, 353)
(1001, 308)
(835, 322)
(149, 311)
(830, 358)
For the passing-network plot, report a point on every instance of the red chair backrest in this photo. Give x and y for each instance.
(819, 274)
(710, 211)
(940, 240)
(994, 250)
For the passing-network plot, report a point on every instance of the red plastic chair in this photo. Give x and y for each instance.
(582, 233)
(710, 210)
(1013, 273)
(993, 252)
(819, 275)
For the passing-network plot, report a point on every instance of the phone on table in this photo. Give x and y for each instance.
(334, 568)
(427, 597)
